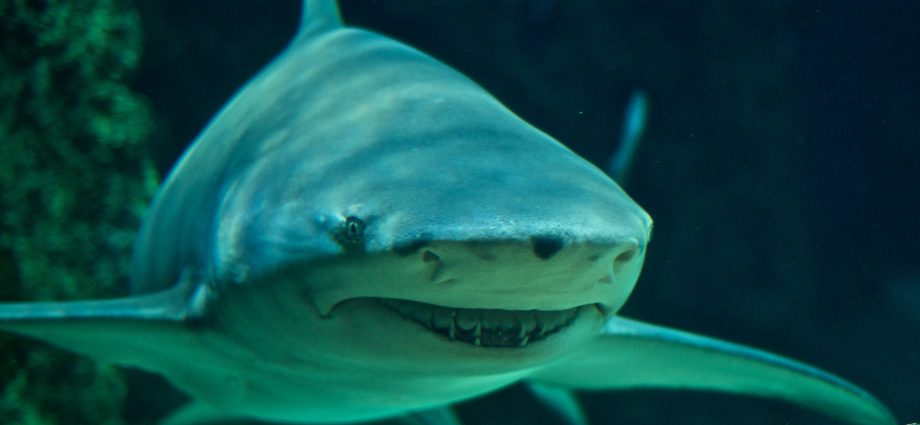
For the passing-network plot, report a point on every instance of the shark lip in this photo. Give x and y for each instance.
(485, 327)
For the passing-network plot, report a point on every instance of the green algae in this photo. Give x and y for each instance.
(75, 177)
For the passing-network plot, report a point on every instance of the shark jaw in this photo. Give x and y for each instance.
(486, 327)
(477, 298)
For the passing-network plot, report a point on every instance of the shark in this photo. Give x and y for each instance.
(363, 233)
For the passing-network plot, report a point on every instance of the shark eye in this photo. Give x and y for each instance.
(354, 230)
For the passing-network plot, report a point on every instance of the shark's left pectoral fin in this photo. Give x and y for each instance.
(632, 354)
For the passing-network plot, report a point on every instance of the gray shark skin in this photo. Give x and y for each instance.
(362, 233)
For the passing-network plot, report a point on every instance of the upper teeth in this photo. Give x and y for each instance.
(484, 327)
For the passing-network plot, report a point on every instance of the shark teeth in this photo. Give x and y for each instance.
(485, 327)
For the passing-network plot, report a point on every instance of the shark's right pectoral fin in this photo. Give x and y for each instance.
(156, 332)
(631, 354)
(153, 332)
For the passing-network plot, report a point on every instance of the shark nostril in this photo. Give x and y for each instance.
(429, 256)
(625, 257)
(620, 265)
(546, 247)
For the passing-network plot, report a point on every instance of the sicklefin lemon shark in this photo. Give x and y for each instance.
(364, 233)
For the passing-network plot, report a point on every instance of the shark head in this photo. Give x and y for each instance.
(466, 231)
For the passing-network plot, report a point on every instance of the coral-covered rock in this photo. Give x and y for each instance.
(75, 177)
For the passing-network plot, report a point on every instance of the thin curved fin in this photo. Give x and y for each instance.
(634, 120)
(560, 400)
(442, 415)
(632, 354)
(200, 413)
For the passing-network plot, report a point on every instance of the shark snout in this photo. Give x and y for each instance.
(627, 258)
(543, 272)
(540, 273)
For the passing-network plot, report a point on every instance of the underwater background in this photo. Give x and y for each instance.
(781, 163)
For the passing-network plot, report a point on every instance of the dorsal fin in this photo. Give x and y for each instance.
(319, 16)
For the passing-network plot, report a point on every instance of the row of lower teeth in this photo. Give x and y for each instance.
(483, 327)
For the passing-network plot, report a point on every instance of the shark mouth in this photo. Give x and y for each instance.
(485, 327)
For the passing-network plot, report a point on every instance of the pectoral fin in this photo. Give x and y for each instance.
(560, 400)
(129, 331)
(201, 413)
(632, 354)
(443, 415)
(156, 332)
